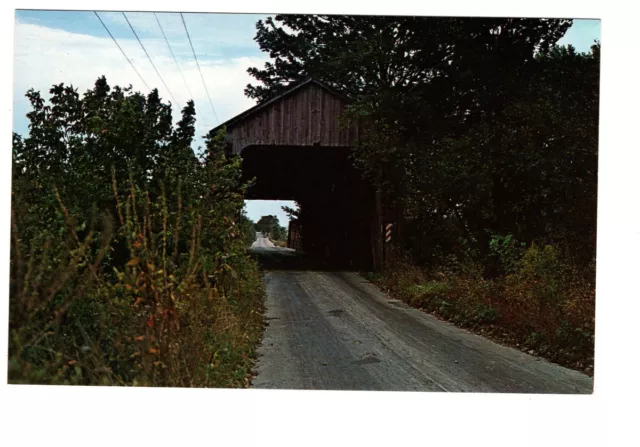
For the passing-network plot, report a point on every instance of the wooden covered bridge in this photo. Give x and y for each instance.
(305, 115)
(295, 148)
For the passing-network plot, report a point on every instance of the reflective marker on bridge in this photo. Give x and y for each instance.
(387, 234)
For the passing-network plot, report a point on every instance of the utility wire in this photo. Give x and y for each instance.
(149, 57)
(123, 53)
(198, 64)
(186, 84)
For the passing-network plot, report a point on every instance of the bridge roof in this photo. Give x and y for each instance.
(291, 90)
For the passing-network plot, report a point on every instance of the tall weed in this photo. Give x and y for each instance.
(77, 317)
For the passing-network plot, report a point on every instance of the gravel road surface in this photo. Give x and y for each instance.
(337, 331)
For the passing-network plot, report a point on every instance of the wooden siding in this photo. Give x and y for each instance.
(306, 117)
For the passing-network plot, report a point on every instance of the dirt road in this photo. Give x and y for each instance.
(337, 331)
(262, 242)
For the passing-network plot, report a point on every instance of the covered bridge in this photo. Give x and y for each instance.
(295, 148)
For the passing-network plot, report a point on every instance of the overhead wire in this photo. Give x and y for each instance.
(149, 57)
(122, 51)
(186, 84)
(199, 70)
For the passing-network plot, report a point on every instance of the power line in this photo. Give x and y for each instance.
(174, 57)
(123, 53)
(198, 64)
(149, 57)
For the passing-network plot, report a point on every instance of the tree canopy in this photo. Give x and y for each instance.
(270, 227)
(474, 127)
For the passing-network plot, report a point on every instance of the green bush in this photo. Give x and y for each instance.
(128, 254)
(540, 281)
(484, 314)
(507, 251)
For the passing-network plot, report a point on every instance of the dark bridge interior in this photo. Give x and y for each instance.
(336, 204)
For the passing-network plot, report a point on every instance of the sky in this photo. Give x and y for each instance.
(73, 47)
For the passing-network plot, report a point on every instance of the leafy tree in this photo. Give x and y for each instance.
(269, 226)
(280, 233)
(248, 229)
(122, 239)
(473, 126)
(292, 213)
(367, 55)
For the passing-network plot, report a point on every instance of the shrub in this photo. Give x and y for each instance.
(154, 322)
(143, 281)
(485, 314)
(507, 252)
(537, 286)
(544, 304)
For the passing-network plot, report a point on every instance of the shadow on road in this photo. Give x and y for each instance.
(276, 258)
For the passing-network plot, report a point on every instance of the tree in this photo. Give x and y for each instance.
(84, 147)
(292, 213)
(121, 234)
(269, 226)
(466, 121)
(248, 229)
(364, 55)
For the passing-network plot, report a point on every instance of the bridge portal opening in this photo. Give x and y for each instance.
(335, 205)
(258, 210)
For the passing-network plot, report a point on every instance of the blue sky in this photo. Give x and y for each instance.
(582, 34)
(73, 47)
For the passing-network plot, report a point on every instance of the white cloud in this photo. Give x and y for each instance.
(210, 33)
(46, 56)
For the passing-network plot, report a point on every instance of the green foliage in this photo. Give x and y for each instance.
(540, 279)
(270, 227)
(474, 126)
(507, 251)
(248, 230)
(485, 314)
(540, 263)
(364, 55)
(128, 255)
(292, 213)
